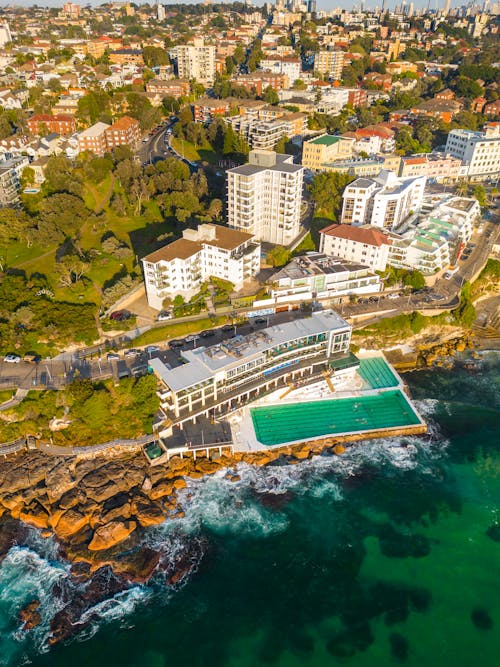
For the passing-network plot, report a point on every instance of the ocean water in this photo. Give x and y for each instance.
(387, 555)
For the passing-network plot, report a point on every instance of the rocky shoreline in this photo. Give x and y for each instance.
(99, 509)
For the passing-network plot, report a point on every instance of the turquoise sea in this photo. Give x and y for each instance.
(387, 555)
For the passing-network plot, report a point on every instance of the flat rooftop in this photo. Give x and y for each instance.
(204, 362)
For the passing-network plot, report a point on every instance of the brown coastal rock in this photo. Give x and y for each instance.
(161, 490)
(149, 515)
(70, 522)
(110, 534)
(29, 615)
(35, 515)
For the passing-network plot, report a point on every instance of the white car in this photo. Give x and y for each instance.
(164, 315)
(12, 358)
(393, 296)
(190, 338)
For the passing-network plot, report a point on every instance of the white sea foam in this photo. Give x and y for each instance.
(25, 576)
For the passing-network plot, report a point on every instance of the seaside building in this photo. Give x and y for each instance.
(180, 268)
(363, 245)
(215, 380)
(317, 276)
(435, 240)
(264, 197)
(385, 201)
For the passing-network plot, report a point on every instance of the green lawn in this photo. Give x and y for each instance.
(6, 395)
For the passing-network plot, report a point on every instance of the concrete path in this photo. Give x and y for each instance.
(15, 400)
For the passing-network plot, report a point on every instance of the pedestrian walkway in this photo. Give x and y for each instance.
(15, 400)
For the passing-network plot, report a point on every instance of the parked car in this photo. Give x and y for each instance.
(131, 353)
(207, 333)
(112, 356)
(32, 358)
(261, 320)
(228, 327)
(120, 315)
(437, 297)
(393, 296)
(151, 348)
(12, 358)
(173, 344)
(190, 338)
(164, 315)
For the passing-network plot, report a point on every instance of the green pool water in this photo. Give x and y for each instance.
(277, 424)
(377, 373)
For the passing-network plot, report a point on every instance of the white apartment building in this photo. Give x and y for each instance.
(288, 65)
(196, 61)
(10, 179)
(317, 276)
(217, 379)
(264, 197)
(385, 201)
(479, 151)
(436, 241)
(180, 268)
(363, 245)
(330, 63)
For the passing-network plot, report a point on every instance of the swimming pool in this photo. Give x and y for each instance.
(376, 372)
(277, 424)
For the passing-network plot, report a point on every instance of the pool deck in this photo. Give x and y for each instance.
(377, 372)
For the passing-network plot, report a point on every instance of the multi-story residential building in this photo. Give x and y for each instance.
(288, 65)
(196, 61)
(264, 135)
(329, 63)
(436, 240)
(438, 166)
(264, 197)
(44, 123)
(126, 57)
(170, 88)
(94, 139)
(385, 201)
(211, 250)
(215, 380)
(125, 131)
(424, 249)
(364, 245)
(318, 276)
(478, 151)
(206, 108)
(364, 167)
(10, 179)
(259, 81)
(322, 150)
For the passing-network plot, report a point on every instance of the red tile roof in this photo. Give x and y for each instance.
(369, 235)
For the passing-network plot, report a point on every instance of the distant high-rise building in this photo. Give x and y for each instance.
(311, 6)
(160, 11)
(5, 36)
(264, 197)
(447, 7)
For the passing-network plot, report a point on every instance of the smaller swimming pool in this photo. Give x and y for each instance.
(377, 373)
(277, 424)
